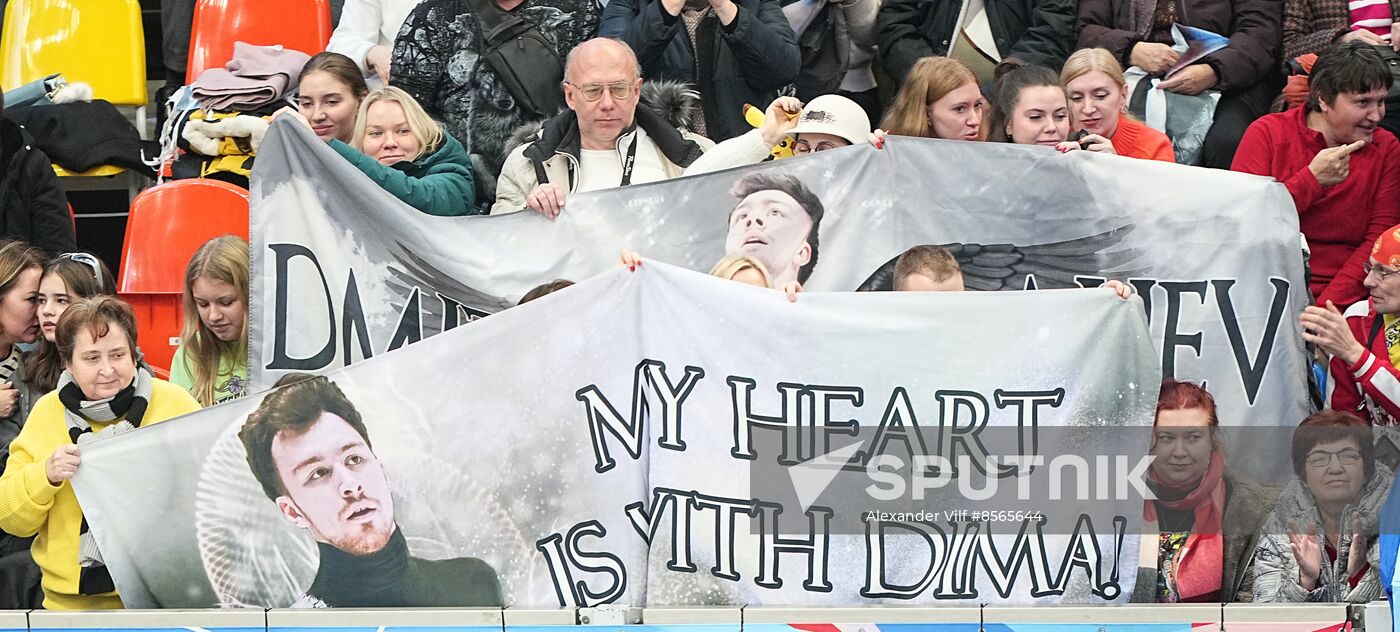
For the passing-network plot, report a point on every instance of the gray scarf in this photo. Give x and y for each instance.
(128, 405)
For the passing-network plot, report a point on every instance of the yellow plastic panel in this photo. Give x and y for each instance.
(98, 42)
(103, 170)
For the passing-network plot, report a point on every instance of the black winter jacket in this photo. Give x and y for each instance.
(745, 62)
(1035, 31)
(32, 205)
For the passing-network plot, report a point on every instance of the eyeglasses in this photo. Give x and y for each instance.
(1319, 460)
(87, 260)
(803, 147)
(620, 90)
(1381, 271)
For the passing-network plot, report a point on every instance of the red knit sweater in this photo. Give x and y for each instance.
(1340, 221)
(1136, 140)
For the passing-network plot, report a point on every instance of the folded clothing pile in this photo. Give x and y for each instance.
(255, 77)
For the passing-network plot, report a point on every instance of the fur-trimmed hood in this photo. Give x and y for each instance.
(677, 102)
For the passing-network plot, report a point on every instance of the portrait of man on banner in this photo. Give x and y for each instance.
(309, 450)
(776, 222)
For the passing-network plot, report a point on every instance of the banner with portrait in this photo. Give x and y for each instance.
(662, 437)
(343, 271)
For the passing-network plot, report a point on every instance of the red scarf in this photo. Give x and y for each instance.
(1199, 562)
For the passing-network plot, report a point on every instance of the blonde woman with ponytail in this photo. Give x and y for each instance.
(212, 361)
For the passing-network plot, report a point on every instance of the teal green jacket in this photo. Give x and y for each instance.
(437, 184)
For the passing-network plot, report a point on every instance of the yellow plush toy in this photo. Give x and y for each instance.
(754, 116)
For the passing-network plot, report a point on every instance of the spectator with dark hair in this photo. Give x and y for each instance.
(777, 222)
(32, 204)
(311, 453)
(1364, 342)
(544, 289)
(1031, 108)
(366, 33)
(1022, 32)
(1319, 543)
(1098, 98)
(939, 99)
(440, 58)
(605, 139)
(927, 269)
(329, 92)
(67, 278)
(1342, 170)
(103, 392)
(829, 121)
(1203, 527)
(1246, 72)
(733, 52)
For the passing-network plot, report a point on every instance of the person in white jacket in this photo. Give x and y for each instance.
(827, 122)
(366, 34)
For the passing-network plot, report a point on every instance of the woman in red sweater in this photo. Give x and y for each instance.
(1341, 168)
(1097, 95)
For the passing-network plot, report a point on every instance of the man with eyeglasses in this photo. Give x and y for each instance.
(605, 139)
(1364, 342)
(829, 121)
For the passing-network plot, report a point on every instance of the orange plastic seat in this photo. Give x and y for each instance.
(167, 224)
(303, 25)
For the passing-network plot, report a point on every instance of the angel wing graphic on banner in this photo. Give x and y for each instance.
(1011, 267)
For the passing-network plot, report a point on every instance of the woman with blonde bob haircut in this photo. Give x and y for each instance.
(1098, 94)
(212, 361)
(746, 270)
(940, 99)
(408, 154)
(742, 269)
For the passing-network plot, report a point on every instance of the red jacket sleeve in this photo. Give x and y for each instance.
(1253, 156)
(1377, 378)
(1346, 287)
(1346, 393)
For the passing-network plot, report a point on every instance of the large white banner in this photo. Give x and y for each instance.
(343, 271)
(662, 437)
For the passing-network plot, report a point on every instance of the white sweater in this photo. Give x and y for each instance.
(365, 24)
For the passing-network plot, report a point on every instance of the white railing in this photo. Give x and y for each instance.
(1203, 618)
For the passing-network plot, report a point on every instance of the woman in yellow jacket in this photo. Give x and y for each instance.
(102, 391)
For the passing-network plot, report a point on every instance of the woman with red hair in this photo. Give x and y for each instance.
(1201, 531)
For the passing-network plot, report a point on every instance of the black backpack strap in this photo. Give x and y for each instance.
(488, 17)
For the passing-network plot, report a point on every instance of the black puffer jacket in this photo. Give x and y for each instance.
(32, 206)
(1037, 32)
(744, 62)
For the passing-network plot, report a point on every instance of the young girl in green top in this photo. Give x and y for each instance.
(212, 361)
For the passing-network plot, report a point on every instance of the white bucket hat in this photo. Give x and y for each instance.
(836, 115)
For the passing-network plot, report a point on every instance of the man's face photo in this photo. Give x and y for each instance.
(772, 227)
(335, 486)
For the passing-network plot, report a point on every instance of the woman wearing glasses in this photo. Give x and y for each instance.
(408, 154)
(1362, 341)
(67, 278)
(1319, 544)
